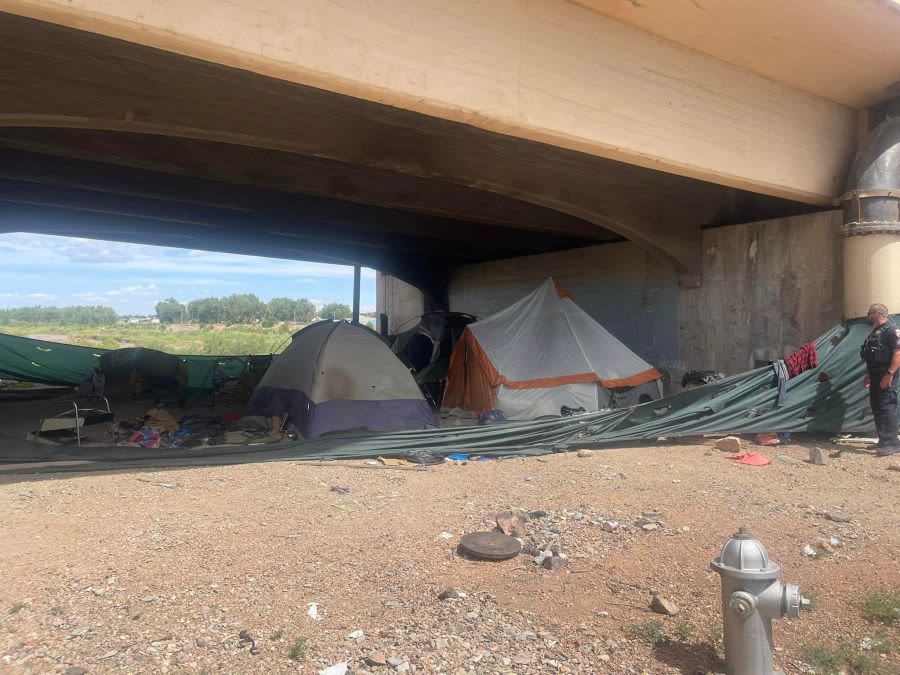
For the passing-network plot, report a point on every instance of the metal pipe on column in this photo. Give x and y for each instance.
(871, 230)
(357, 272)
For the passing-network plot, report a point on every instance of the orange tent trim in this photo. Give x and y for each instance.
(472, 378)
(562, 291)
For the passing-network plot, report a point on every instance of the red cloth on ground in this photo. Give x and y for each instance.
(801, 360)
(751, 458)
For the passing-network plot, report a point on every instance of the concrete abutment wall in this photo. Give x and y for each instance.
(768, 288)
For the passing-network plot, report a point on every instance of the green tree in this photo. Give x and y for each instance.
(171, 311)
(243, 308)
(305, 311)
(335, 310)
(281, 309)
(206, 310)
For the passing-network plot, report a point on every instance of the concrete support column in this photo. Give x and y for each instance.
(357, 273)
(871, 273)
(871, 228)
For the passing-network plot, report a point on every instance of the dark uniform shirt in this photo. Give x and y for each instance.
(879, 347)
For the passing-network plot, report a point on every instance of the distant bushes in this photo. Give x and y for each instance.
(72, 316)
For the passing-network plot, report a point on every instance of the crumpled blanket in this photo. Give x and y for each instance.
(157, 417)
(802, 360)
(144, 438)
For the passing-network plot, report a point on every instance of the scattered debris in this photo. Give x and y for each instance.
(245, 639)
(341, 507)
(584, 452)
(809, 551)
(553, 563)
(817, 457)
(336, 669)
(894, 467)
(542, 556)
(340, 489)
(355, 635)
(313, 611)
(390, 461)
(168, 486)
(837, 517)
(751, 459)
(768, 439)
(376, 659)
(452, 594)
(610, 525)
(828, 544)
(649, 521)
(446, 535)
(491, 545)
(661, 605)
(510, 524)
(731, 444)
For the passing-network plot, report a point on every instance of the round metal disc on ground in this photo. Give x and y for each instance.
(491, 545)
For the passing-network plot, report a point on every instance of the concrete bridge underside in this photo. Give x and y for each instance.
(110, 139)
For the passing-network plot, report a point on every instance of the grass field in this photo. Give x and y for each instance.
(218, 340)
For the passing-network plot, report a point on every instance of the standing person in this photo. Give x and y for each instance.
(881, 352)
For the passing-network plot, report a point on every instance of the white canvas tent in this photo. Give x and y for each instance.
(338, 376)
(542, 353)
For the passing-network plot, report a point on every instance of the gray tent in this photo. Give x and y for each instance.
(337, 376)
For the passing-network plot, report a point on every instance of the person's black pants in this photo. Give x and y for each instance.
(884, 408)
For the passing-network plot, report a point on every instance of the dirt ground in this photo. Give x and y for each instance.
(161, 571)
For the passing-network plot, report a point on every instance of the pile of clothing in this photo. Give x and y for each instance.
(159, 429)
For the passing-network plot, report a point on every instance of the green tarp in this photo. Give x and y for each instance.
(28, 360)
(829, 398)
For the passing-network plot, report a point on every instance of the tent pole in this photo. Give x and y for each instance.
(356, 276)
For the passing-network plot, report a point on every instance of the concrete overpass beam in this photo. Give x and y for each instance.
(544, 70)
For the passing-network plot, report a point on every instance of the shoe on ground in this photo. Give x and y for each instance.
(887, 450)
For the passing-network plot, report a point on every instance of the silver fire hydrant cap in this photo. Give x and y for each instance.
(742, 555)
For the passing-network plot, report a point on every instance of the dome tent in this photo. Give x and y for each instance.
(542, 353)
(339, 376)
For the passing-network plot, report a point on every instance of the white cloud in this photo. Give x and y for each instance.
(129, 277)
(87, 296)
(139, 289)
(25, 248)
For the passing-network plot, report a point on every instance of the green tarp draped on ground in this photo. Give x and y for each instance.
(28, 360)
(829, 398)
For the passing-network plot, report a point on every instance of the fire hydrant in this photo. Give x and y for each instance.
(752, 596)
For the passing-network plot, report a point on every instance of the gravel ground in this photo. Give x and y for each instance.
(165, 571)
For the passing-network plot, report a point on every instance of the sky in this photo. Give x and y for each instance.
(131, 278)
